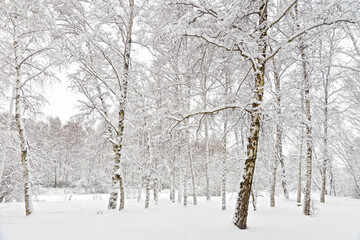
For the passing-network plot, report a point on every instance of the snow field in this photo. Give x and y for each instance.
(83, 218)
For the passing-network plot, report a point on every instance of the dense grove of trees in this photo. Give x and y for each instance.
(199, 97)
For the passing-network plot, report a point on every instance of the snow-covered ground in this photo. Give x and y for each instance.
(81, 219)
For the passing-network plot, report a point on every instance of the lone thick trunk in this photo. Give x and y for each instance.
(242, 204)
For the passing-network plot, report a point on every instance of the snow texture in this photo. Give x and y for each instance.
(80, 218)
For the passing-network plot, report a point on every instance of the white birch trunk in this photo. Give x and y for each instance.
(147, 192)
(273, 182)
(117, 178)
(223, 174)
(156, 191)
(21, 129)
(307, 198)
(242, 204)
(326, 119)
(185, 187)
(193, 180)
(207, 159)
(299, 185)
(173, 181)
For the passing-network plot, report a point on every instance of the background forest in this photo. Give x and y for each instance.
(182, 95)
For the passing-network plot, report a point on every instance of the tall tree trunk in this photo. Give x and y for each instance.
(139, 191)
(117, 178)
(21, 129)
(156, 191)
(179, 183)
(207, 158)
(185, 187)
(326, 77)
(326, 157)
(193, 180)
(147, 192)
(173, 181)
(332, 181)
(242, 204)
(279, 135)
(223, 174)
(299, 187)
(273, 182)
(307, 198)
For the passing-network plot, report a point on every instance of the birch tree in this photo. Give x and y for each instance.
(27, 24)
(106, 63)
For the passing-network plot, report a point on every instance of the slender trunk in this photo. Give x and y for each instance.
(173, 180)
(139, 191)
(193, 181)
(147, 194)
(179, 184)
(55, 176)
(156, 191)
(307, 198)
(21, 130)
(332, 181)
(325, 162)
(207, 159)
(273, 183)
(223, 174)
(300, 168)
(279, 133)
(117, 178)
(185, 188)
(326, 117)
(242, 204)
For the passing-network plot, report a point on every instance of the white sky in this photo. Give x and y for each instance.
(62, 100)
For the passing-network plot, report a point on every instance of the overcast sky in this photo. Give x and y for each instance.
(62, 100)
